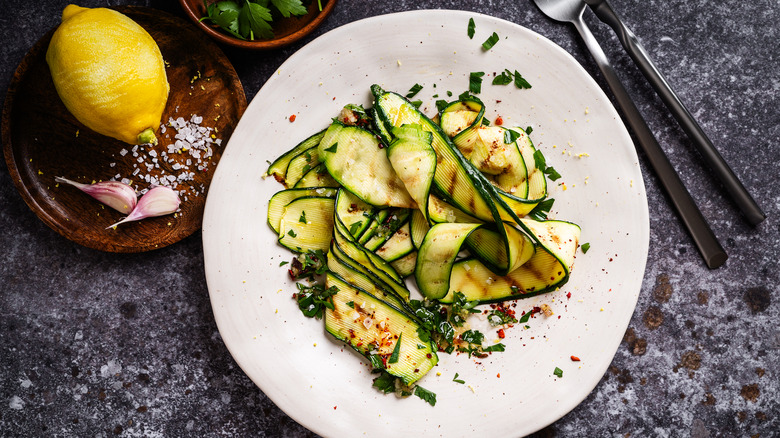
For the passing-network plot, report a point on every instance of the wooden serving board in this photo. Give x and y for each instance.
(42, 140)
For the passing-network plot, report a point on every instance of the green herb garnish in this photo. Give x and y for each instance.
(385, 382)
(490, 42)
(426, 395)
(457, 380)
(520, 82)
(541, 164)
(302, 219)
(312, 300)
(396, 350)
(353, 229)
(413, 91)
(540, 211)
(332, 148)
(558, 372)
(250, 19)
(585, 247)
(291, 233)
(470, 30)
(475, 81)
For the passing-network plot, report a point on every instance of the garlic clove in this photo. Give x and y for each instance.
(117, 195)
(158, 201)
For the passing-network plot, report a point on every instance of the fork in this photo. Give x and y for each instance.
(713, 253)
(706, 149)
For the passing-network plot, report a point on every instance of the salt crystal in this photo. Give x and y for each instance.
(123, 152)
(196, 119)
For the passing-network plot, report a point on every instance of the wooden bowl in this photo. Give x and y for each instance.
(286, 30)
(41, 139)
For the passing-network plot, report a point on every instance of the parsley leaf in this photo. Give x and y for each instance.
(283, 263)
(312, 300)
(470, 30)
(254, 21)
(494, 347)
(428, 396)
(250, 19)
(289, 7)
(385, 383)
(475, 81)
(523, 319)
(457, 380)
(558, 372)
(441, 104)
(302, 219)
(541, 164)
(585, 247)
(510, 136)
(291, 233)
(529, 130)
(540, 211)
(490, 42)
(353, 229)
(396, 350)
(333, 147)
(504, 78)
(520, 82)
(413, 91)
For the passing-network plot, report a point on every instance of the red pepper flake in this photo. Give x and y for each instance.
(568, 295)
(501, 333)
(499, 121)
(575, 359)
(334, 407)
(292, 118)
(498, 375)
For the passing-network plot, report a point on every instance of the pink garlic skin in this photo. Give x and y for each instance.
(158, 201)
(119, 196)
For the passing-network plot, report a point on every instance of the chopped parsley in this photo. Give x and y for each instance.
(506, 77)
(291, 233)
(428, 396)
(441, 104)
(471, 27)
(332, 148)
(490, 42)
(475, 81)
(312, 300)
(353, 229)
(510, 136)
(498, 318)
(540, 211)
(585, 247)
(413, 91)
(283, 263)
(558, 372)
(302, 219)
(457, 380)
(385, 382)
(396, 350)
(520, 82)
(541, 164)
(460, 309)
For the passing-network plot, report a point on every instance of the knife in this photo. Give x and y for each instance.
(712, 157)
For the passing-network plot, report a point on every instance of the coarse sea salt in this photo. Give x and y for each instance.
(189, 149)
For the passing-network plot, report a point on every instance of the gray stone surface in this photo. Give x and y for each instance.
(96, 344)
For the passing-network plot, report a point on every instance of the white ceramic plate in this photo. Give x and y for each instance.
(327, 387)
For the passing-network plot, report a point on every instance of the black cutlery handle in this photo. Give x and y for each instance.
(709, 153)
(705, 240)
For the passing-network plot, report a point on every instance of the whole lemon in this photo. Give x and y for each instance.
(109, 73)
